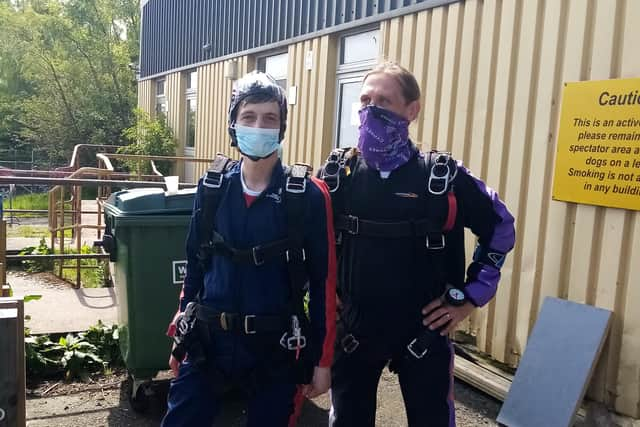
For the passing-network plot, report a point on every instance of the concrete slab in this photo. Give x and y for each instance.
(62, 308)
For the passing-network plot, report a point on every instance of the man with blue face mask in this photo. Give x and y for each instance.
(400, 216)
(261, 236)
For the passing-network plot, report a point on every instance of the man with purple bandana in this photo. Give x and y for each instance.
(399, 217)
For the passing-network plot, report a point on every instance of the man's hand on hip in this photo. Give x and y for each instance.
(437, 314)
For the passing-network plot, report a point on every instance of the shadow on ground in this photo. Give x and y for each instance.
(232, 414)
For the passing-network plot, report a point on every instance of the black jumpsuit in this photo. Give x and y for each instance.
(383, 283)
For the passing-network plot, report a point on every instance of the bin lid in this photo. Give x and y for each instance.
(150, 201)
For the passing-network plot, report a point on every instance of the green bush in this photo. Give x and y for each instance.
(148, 137)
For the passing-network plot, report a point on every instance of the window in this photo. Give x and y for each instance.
(361, 47)
(358, 54)
(161, 100)
(191, 78)
(190, 140)
(276, 66)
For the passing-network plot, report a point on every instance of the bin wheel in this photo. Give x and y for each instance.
(139, 395)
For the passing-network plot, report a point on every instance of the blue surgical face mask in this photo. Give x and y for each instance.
(257, 142)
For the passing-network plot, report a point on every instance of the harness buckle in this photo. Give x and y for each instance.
(247, 329)
(294, 342)
(354, 225)
(223, 321)
(437, 245)
(215, 174)
(296, 185)
(349, 343)
(297, 178)
(256, 259)
(418, 354)
(440, 174)
(213, 179)
(331, 173)
(288, 256)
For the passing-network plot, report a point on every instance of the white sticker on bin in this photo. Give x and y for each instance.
(179, 272)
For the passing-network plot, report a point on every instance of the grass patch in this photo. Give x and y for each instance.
(39, 231)
(92, 273)
(36, 201)
(32, 201)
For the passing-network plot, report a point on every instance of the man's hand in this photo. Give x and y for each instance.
(438, 314)
(319, 384)
(174, 363)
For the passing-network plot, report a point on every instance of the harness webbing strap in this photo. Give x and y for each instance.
(452, 212)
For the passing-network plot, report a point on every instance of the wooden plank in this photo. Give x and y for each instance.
(12, 361)
(550, 381)
(482, 379)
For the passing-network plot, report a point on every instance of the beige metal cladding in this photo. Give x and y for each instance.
(492, 73)
(146, 96)
(309, 136)
(214, 92)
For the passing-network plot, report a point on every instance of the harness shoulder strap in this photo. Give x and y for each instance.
(337, 168)
(297, 177)
(213, 184)
(440, 172)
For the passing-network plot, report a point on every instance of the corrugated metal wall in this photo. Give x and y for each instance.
(492, 72)
(309, 137)
(146, 96)
(179, 33)
(214, 92)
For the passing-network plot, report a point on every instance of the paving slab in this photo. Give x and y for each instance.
(63, 309)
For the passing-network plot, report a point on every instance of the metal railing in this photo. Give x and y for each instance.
(65, 200)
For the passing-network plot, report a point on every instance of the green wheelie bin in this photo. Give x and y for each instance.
(145, 234)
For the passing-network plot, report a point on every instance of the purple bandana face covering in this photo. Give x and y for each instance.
(384, 138)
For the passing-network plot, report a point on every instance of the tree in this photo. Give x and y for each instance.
(64, 75)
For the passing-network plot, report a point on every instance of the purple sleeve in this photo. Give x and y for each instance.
(489, 219)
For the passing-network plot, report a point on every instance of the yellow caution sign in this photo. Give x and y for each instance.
(598, 152)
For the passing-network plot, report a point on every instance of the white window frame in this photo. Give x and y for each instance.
(349, 73)
(191, 94)
(264, 57)
(161, 99)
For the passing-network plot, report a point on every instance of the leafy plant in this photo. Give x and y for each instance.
(36, 266)
(79, 357)
(73, 356)
(106, 339)
(43, 356)
(148, 137)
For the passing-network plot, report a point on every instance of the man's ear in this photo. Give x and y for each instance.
(413, 109)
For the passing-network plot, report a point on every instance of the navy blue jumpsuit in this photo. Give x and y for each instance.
(231, 287)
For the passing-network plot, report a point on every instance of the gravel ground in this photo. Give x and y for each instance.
(103, 401)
